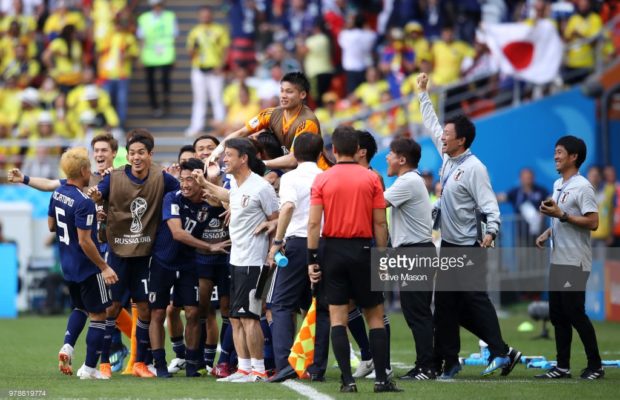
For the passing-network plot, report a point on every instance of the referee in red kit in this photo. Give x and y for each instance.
(350, 197)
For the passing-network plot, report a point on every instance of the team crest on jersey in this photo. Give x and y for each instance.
(564, 197)
(152, 297)
(459, 175)
(202, 215)
(245, 200)
(214, 223)
(254, 123)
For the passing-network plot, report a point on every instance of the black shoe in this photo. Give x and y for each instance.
(515, 357)
(283, 375)
(163, 373)
(592, 374)
(388, 386)
(350, 388)
(554, 373)
(419, 374)
(317, 377)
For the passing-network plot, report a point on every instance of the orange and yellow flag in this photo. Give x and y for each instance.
(302, 352)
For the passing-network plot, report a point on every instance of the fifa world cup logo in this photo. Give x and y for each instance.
(138, 208)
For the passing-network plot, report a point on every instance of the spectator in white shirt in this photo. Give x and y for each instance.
(357, 44)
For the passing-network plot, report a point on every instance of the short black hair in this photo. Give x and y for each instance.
(298, 79)
(408, 148)
(140, 135)
(186, 148)
(307, 147)
(368, 143)
(205, 137)
(464, 128)
(574, 145)
(245, 147)
(270, 144)
(358, 21)
(345, 140)
(192, 164)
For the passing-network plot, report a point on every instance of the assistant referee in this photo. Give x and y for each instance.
(351, 199)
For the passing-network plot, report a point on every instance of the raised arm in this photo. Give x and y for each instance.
(41, 184)
(429, 117)
(215, 155)
(212, 189)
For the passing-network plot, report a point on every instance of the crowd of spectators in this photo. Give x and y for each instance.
(65, 65)
(359, 54)
(59, 63)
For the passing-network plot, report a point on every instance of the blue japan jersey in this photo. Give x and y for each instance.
(215, 231)
(169, 252)
(72, 209)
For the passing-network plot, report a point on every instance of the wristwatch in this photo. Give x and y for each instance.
(564, 217)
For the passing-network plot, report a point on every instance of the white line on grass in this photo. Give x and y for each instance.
(504, 381)
(306, 390)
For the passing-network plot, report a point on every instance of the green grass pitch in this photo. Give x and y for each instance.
(29, 347)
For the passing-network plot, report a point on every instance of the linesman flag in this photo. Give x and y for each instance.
(532, 53)
(302, 352)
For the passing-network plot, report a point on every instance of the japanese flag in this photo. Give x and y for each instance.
(531, 53)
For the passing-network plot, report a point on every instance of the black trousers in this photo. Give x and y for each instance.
(480, 315)
(165, 83)
(291, 292)
(567, 311)
(416, 306)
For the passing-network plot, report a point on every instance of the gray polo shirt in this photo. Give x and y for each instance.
(467, 187)
(570, 243)
(410, 220)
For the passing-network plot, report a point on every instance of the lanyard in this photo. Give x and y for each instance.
(561, 190)
(444, 180)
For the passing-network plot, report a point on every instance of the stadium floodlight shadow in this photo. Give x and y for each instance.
(539, 311)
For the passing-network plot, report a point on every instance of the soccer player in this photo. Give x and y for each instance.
(72, 216)
(291, 287)
(184, 218)
(135, 194)
(574, 214)
(104, 147)
(351, 198)
(287, 121)
(411, 226)
(465, 187)
(252, 201)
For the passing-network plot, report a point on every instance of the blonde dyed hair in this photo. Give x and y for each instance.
(73, 160)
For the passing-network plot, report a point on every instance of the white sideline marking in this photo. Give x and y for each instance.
(306, 390)
(509, 381)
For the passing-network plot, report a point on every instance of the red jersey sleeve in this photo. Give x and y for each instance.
(316, 192)
(378, 201)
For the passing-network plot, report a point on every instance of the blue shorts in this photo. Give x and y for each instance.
(161, 282)
(219, 274)
(133, 276)
(91, 295)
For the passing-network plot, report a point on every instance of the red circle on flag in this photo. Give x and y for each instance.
(520, 54)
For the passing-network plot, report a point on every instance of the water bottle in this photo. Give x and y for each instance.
(280, 259)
